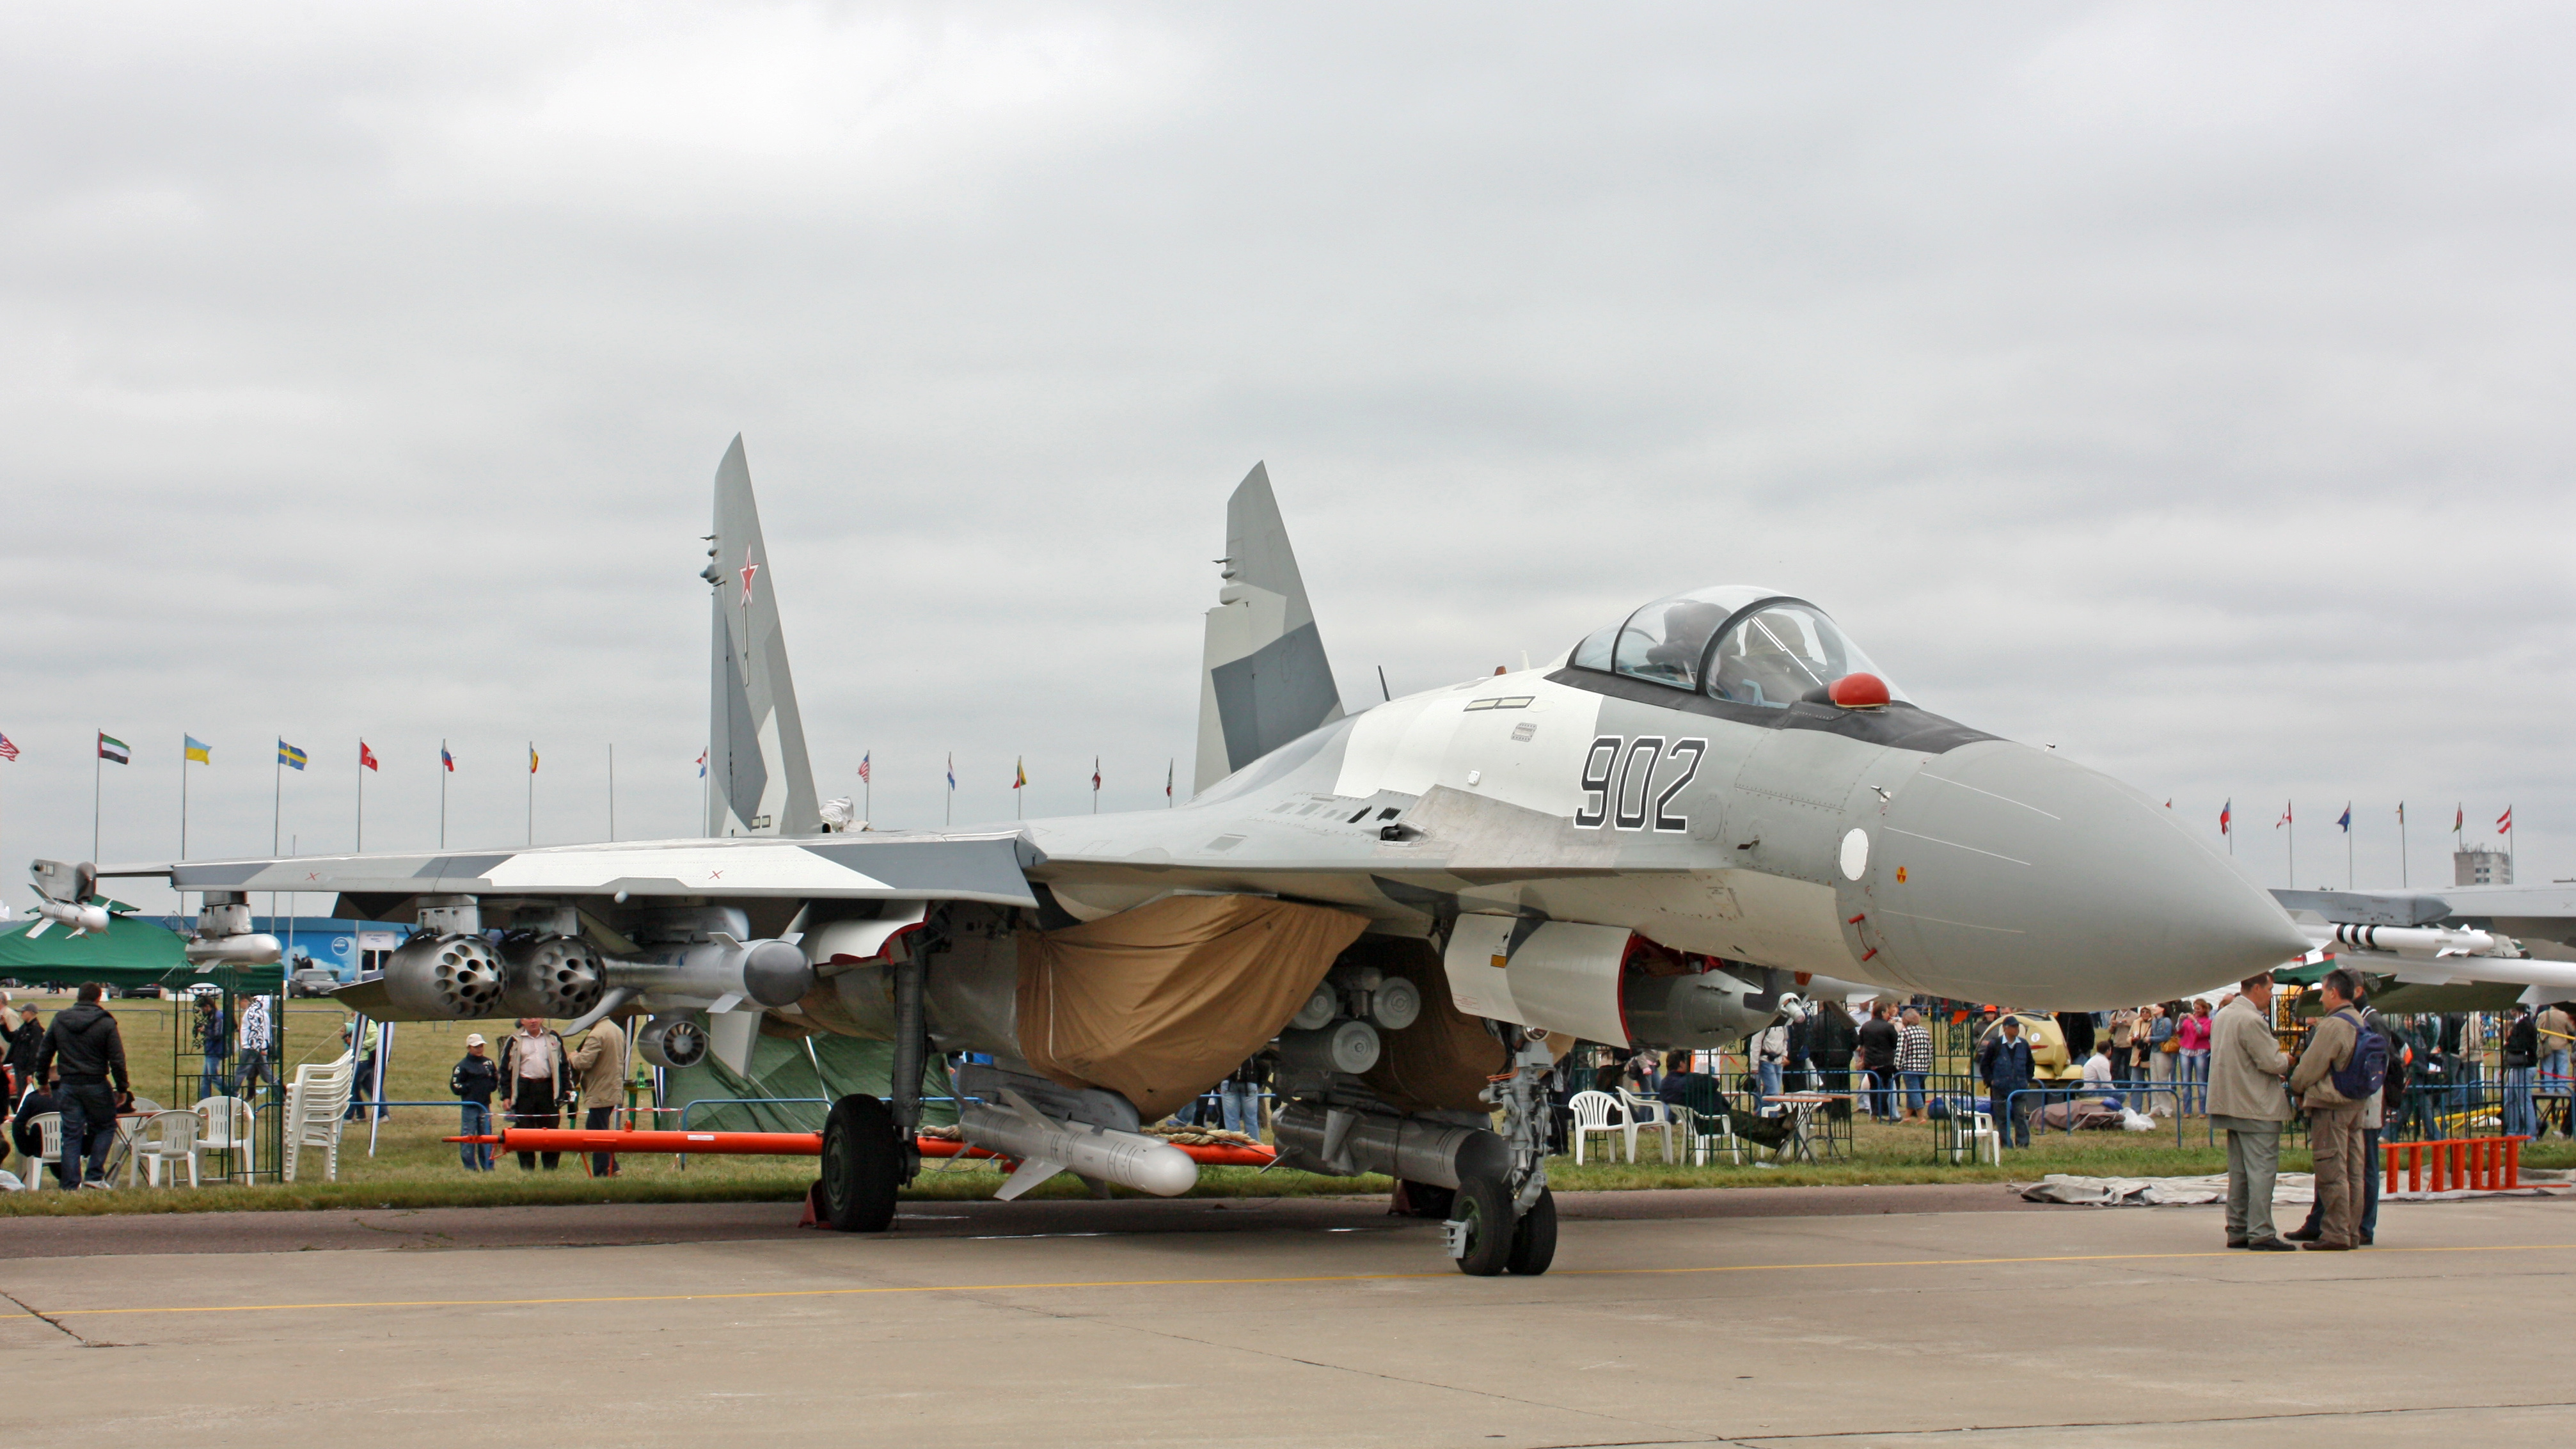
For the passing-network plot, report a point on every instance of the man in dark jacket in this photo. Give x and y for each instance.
(1835, 1038)
(2006, 1067)
(25, 1041)
(1877, 1044)
(2521, 1055)
(473, 1080)
(83, 1046)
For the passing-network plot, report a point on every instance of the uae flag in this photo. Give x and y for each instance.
(112, 748)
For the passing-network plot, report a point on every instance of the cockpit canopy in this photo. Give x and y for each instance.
(1738, 642)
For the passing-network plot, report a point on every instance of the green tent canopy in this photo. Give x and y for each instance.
(817, 1066)
(130, 952)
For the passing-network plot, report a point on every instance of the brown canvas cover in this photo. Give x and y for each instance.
(1445, 1057)
(1160, 1002)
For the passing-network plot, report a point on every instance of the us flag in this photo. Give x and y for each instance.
(8, 750)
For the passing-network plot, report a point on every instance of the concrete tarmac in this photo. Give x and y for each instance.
(1863, 1316)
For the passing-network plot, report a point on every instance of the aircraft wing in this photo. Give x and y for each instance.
(987, 867)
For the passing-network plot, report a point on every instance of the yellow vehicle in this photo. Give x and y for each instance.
(2048, 1058)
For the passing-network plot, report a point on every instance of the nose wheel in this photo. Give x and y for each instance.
(1487, 1237)
(862, 1166)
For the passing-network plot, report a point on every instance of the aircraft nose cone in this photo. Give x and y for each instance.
(2031, 880)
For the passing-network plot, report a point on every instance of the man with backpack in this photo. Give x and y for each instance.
(2340, 1070)
(2373, 1117)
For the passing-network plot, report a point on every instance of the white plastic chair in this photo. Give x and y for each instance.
(49, 1137)
(167, 1137)
(1646, 1114)
(1594, 1114)
(1977, 1139)
(314, 1102)
(224, 1125)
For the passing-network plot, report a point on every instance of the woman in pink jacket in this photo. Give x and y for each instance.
(2191, 1078)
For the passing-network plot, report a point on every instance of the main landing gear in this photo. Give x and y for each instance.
(862, 1166)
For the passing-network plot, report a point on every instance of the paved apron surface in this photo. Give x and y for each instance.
(1672, 1318)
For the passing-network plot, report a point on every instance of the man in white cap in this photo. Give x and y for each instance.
(474, 1080)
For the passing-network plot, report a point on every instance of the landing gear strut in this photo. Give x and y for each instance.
(1509, 1225)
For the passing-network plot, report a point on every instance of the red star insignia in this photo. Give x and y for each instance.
(748, 569)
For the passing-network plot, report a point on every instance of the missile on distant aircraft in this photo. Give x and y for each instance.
(1046, 1146)
(82, 918)
(2429, 943)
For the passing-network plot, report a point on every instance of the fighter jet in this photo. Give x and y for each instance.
(1651, 840)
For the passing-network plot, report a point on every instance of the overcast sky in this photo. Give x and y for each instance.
(2193, 389)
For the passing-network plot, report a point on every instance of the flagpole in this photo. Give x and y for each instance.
(2402, 883)
(612, 790)
(183, 798)
(532, 792)
(362, 796)
(277, 818)
(96, 780)
(2347, 850)
(442, 794)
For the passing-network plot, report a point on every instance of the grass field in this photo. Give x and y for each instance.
(411, 1167)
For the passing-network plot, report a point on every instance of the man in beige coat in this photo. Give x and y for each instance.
(601, 1062)
(2334, 1120)
(2245, 1098)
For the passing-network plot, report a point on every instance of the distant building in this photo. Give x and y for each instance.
(2481, 867)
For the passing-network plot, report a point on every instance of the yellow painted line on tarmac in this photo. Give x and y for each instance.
(781, 1293)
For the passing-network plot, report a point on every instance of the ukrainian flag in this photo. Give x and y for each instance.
(289, 756)
(198, 750)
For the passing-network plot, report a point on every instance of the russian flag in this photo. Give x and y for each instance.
(446, 759)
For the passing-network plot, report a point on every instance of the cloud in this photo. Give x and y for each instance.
(2182, 386)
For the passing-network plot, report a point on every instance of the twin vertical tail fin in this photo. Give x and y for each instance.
(1265, 680)
(759, 781)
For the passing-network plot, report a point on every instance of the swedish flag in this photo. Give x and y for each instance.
(289, 756)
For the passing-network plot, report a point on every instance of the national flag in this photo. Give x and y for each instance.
(366, 757)
(532, 759)
(1095, 774)
(2346, 821)
(2169, 802)
(2285, 816)
(112, 748)
(446, 761)
(952, 770)
(2226, 813)
(863, 768)
(8, 751)
(2401, 812)
(291, 756)
(197, 749)
(1167, 779)
(2504, 822)
(2459, 818)
(702, 764)
(1019, 772)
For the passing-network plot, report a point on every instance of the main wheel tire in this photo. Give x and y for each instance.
(1534, 1237)
(1487, 1211)
(861, 1165)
